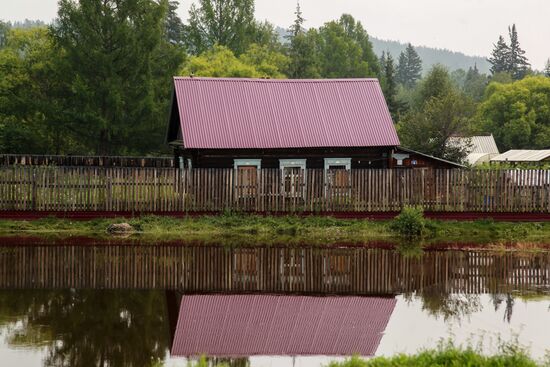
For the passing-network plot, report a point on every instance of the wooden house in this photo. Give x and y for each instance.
(248, 124)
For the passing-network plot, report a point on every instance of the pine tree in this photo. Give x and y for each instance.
(409, 69)
(518, 63)
(547, 68)
(500, 57)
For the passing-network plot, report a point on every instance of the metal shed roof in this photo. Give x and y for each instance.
(229, 113)
(246, 325)
(522, 156)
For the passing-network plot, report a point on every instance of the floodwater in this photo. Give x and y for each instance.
(96, 304)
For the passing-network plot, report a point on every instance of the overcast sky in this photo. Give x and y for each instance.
(469, 26)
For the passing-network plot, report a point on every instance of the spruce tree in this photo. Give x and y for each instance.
(547, 68)
(409, 69)
(297, 27)
(518, 63)
(302, 50)
(500, 57)
(390, 84)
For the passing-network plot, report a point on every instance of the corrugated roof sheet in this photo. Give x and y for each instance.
(229, 113)
(478, 144)
(522, 156)
(246, 325)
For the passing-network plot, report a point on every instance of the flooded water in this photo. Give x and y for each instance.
(161, 304)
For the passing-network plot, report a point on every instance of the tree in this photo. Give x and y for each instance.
(298, 26)
(439, 112)
(518, 64)
(436, 84)
(32, 91)
(428, 130)
(389, 85)
(228, 23)
(547, 69)
(409, 68)
(257, 62)
(518, 114)
(4, 29)
(302, 50)
(109, 51)
(500, 57)
(475, 84)
(174, 28)
(345, 50)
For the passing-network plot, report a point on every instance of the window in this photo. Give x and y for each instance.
(246, 179)
(294, 176)
(337, 174)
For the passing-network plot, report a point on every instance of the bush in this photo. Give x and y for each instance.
(409, 223)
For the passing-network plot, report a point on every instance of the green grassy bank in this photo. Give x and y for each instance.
(250, 229)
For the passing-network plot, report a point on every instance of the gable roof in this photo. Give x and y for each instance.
(477, 143)
(218, 113)
(247, 325)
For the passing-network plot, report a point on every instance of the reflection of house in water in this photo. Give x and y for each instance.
(250, 325)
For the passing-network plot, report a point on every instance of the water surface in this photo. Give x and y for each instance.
(135, 305)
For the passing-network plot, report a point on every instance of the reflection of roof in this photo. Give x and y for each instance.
(477, 144)
(245, 325)
(218, 113)
(522, 156)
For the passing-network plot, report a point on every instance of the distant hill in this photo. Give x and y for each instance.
(430, 56)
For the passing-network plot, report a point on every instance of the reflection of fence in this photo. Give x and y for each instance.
(300, 270)
(76, 189)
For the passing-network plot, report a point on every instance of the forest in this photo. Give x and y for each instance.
(98, 79)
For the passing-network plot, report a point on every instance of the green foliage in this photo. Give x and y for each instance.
(228, 23)
(257, 62)
(440, 111)
(410, 223)
(518, 114)
(110, 53)
(345, 50)
(448, 354)
(547, 69)
(389, 85)
(509, 58)
(409, 68)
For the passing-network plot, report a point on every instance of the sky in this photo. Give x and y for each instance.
(468, 26)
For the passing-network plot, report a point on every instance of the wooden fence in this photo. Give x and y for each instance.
(84, 160)
(273, 270)
(74, 189)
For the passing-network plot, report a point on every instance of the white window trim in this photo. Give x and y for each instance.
(290, 163)
(400, 158)
(338, 162)
(247, 162)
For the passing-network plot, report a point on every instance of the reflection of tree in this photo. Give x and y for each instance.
(89, 327)
(498, 299)
(450, 306)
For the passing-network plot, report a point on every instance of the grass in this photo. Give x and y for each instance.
(447, 354)
(252, 229)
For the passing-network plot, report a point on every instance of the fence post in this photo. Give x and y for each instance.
(109, 203)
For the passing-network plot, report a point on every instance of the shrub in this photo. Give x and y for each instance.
(409, 223)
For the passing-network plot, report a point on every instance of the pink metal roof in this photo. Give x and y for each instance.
(246, 325)
(222, 113)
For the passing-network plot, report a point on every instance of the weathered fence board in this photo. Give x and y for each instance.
(73, 189)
